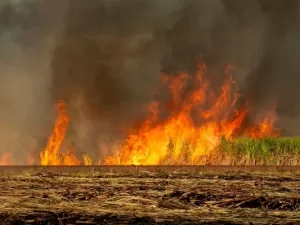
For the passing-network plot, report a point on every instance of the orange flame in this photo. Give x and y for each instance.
(70, 159)
(197, 119)
(51, 154)
(265, 128)
(192, 130)
(87, 161)
(6, 159)
(31, 159)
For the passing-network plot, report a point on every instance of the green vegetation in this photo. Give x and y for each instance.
(281, 151)
(265, 151)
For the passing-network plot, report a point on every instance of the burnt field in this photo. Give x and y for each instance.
(149, 195)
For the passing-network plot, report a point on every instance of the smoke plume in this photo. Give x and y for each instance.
(105, 57)
(28, 36)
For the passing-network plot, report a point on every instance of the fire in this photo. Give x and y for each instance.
(52, 154)
(70, 159)
(183, 129)
(6, 159)
(265, 128)
(198, 119)
(87, 160)
(30, 159)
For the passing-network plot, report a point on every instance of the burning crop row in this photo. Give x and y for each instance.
(188, 128)
(192, 129)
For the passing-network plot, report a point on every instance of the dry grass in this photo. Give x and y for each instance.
(233, 197)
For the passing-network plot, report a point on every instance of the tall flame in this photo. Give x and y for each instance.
(183, 129)
(197, 121)
(51, 154)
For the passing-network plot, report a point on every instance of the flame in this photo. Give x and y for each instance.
(6, 159)
(51, 154)
(192, 129)
(87, 160)
(69, 158)
(265, 128)
(31, 159)
(182, 130)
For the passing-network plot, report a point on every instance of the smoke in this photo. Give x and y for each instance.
(27, 39)
(113, 53)
(276, 77)
(106, 65)
(105, 57)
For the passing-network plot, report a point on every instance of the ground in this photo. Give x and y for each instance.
(143, 196)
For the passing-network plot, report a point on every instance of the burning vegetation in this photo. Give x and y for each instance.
(195, 123)
(193, 126)
(196, 116)
(52, 154)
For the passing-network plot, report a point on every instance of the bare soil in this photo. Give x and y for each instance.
(43, 196)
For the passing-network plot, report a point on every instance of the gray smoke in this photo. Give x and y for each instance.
(28, 36)
(104, 57)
